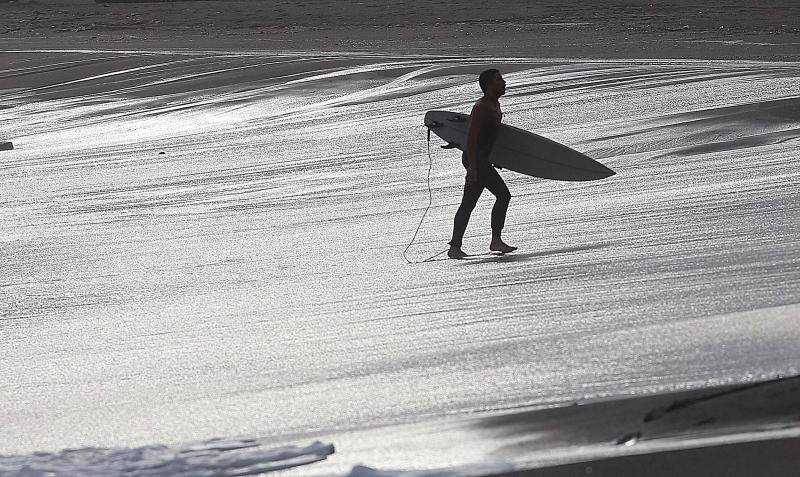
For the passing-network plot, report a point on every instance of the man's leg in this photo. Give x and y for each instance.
(498, 187)
(472, 193)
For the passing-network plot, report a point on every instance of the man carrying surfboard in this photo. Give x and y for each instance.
(483, 127)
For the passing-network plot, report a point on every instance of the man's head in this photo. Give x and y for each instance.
(492, 83)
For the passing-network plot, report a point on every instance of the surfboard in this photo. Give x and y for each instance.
(521, 151)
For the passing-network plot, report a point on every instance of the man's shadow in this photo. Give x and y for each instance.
(522, 257)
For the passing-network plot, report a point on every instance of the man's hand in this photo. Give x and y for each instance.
(472, 175)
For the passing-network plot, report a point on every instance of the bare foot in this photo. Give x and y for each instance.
(456, 252)
(498, 245)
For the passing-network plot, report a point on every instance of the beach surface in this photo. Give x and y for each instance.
(207, 205)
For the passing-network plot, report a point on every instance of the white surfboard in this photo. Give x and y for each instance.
(521, 151)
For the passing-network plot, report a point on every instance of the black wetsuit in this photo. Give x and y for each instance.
(487, 177)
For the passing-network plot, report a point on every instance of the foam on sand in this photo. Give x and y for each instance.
(213, 457)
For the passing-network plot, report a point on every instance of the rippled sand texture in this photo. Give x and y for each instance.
(209, 244)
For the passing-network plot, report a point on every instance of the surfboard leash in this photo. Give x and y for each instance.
(430, 203)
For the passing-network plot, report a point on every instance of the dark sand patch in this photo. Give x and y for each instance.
(563, 28)
(773, 458)
(740, 417)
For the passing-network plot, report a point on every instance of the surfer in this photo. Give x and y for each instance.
(483, 127)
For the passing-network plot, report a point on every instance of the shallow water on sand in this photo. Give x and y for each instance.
(210, 244)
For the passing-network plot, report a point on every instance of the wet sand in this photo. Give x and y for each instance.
(774, 458)
(635, 29)
(727, 431)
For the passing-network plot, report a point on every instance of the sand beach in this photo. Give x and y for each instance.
(206, 206)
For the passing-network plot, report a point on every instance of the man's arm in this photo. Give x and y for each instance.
(477, 120)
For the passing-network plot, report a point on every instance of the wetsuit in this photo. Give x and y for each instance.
(486, 128)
